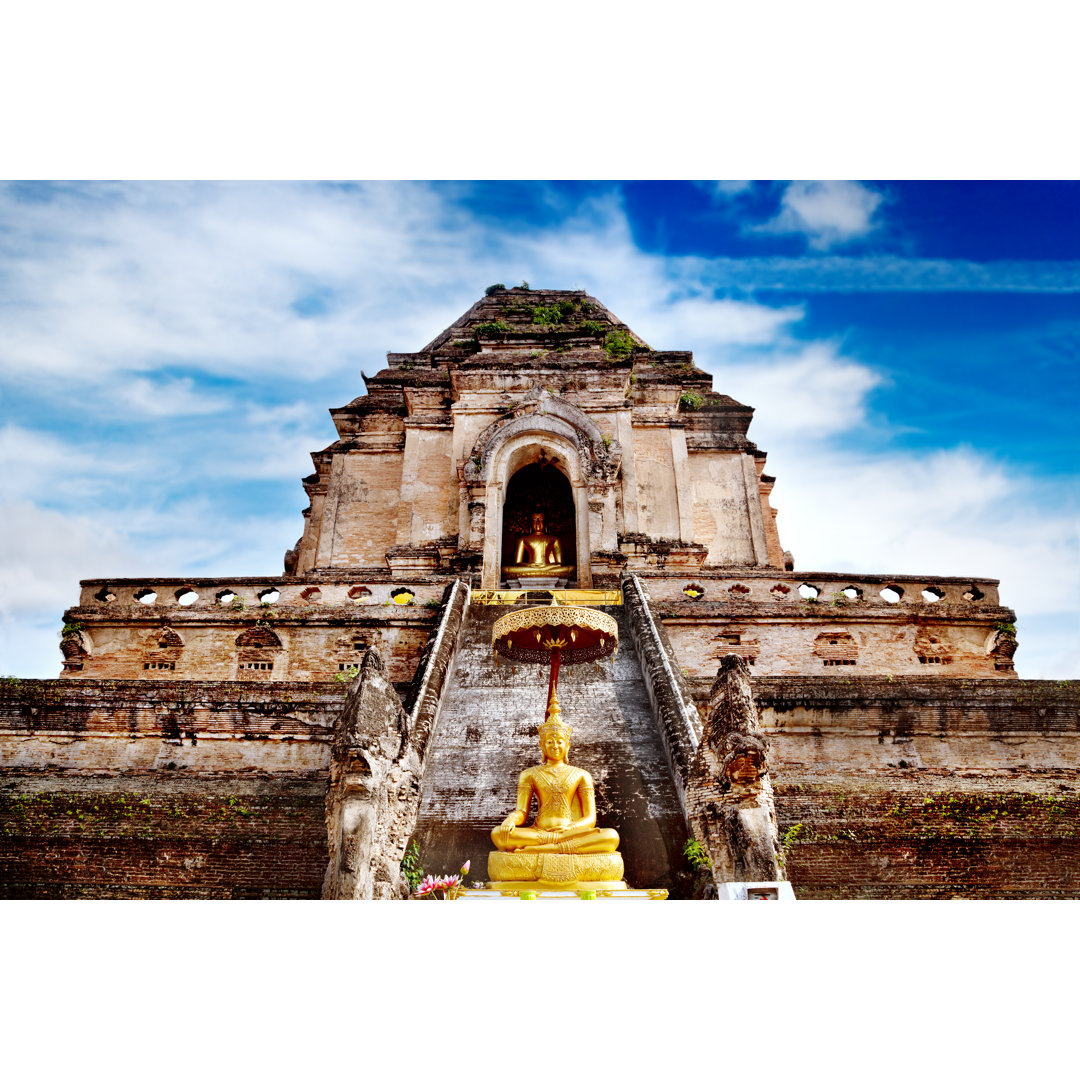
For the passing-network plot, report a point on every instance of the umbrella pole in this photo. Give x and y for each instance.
(553, 681)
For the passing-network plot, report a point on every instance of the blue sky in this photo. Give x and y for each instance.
(169, 351)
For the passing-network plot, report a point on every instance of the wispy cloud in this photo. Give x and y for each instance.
(883, 273)
(726, 189)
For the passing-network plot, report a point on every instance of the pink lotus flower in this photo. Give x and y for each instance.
(428, 885)
(465, 869)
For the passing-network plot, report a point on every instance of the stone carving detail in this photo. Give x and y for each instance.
(292, 557)
(743, 767)
(729, 798)
(1005, 646)
(73, 648)
(542, 411)
(370, 801)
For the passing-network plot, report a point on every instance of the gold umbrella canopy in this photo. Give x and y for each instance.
(537, 635)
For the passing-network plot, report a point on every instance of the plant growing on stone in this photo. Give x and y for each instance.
(788, 840)
(499, 326)
(696, 855)
(690, 400)
(618, 345)
(347, 675)
(411, 868)
(553, 314)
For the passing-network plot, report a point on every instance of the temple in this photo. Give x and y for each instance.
(539, 449)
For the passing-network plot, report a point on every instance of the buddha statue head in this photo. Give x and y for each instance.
(554, 734)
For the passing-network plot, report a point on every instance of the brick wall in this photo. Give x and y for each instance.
(913, 835)
(138, 790)
(153, 835)
(926, 788)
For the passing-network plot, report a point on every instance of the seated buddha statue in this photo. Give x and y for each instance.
(538, 554)
(565, 820)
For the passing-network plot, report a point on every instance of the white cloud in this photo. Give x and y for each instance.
(827, 212)
(709, 322)
(800, 391)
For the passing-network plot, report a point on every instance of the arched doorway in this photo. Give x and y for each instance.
(539, 488)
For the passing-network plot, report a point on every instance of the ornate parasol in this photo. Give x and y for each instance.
(555, 635)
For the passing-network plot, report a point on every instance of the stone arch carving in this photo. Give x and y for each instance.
(542, 424)
(258, 637)
(543, 413)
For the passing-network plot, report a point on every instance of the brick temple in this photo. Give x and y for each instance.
(198, 739)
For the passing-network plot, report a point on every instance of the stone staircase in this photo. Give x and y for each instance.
(486, 736)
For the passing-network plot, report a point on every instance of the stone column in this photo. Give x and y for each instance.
(410, 470)
(624, 432)
(492, 536)
(584, 534)
(753, 507)
(729, 798)
(328, 527)
(684, 488)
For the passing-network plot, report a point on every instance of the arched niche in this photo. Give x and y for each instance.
(508, 457)
(540, 487)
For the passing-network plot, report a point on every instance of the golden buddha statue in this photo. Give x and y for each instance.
(563, 844)
(538, 554)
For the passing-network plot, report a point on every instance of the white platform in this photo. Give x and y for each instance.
(755, 890)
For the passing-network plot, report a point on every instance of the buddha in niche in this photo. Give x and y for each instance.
(538, 554)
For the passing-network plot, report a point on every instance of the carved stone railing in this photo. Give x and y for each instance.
(831, 589)
(206, 594)
(668, 691)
